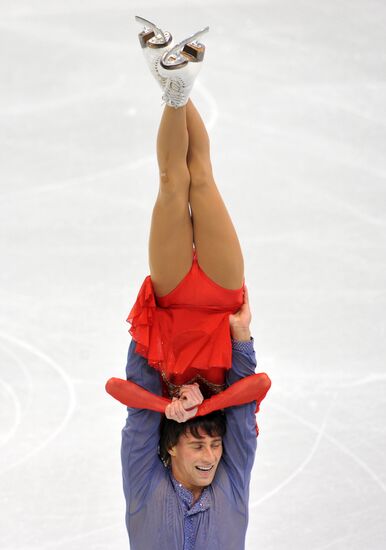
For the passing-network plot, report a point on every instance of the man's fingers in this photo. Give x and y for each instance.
(246, 295)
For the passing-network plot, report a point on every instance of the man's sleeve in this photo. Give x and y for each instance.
(140, 436)
(240, 439)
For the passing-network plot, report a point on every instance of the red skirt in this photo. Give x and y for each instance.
(186, 333)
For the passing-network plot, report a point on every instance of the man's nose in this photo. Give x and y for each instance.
(209, 454)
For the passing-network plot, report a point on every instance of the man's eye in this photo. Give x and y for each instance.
(197, 447)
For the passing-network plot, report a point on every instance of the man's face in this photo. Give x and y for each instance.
(194, 461)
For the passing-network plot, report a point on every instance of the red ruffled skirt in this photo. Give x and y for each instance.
(186, 334)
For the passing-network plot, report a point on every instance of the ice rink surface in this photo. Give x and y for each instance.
(294, 96)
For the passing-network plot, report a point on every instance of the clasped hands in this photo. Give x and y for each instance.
(185, 406)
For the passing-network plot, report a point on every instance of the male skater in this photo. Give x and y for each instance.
(196, 497)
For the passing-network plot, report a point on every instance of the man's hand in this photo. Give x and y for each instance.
(240, 321)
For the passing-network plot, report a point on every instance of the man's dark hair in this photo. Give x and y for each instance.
(212, 424)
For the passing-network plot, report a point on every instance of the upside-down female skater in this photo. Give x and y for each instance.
(194, 298)
(186, 472)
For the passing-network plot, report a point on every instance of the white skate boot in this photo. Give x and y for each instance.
(154, 43)
(180, 65)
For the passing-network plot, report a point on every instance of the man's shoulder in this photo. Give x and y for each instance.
(222, 479)
(161, 481)
(225, 492)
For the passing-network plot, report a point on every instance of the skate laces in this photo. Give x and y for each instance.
(174, 91)
(154, 68)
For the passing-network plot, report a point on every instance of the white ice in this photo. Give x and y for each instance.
(294, 96)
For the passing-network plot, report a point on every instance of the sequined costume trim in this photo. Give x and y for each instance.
(174, 389)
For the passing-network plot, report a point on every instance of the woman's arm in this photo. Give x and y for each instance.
(133, 395)
(246, 390)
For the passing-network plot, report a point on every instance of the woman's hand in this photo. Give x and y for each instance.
(191, 396)
(180, 409)
(240, 321)
(175, 411)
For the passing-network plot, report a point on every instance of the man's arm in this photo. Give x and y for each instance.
(140, 436)
(240, 438)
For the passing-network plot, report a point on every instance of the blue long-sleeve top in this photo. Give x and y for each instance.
(159, 511)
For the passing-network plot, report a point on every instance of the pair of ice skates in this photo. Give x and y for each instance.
(174, 66)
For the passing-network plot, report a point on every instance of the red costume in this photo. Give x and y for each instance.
(186, 334)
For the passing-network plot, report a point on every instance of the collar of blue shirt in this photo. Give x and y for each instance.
(186, 497)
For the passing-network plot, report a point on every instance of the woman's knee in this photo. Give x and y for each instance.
(174, 180)
(200, 172)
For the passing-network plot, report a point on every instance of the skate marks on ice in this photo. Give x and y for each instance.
(27, 393)
(322, 432)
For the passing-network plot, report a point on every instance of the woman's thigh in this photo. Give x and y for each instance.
(170, 241)
(217, 245)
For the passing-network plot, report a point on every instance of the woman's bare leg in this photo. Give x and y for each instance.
(218, 249)
(171, 231)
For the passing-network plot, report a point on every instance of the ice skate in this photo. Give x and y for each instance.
(180, 65)
(154, 42)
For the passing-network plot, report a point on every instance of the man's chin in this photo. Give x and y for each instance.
(204, 480)
(205, 483)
